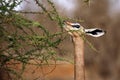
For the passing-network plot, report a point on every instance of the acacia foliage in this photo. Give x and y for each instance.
(20, 42)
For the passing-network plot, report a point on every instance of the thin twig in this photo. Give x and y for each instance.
(28, 12)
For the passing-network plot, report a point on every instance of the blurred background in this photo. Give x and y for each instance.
(104, 14)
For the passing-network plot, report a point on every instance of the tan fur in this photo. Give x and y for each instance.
(79, 52)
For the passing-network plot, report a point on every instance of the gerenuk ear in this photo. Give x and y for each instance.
(95, 32)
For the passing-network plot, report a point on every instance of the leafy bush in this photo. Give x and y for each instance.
(20, 43)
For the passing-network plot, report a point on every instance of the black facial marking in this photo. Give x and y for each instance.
(95, 32)
(76, 26)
